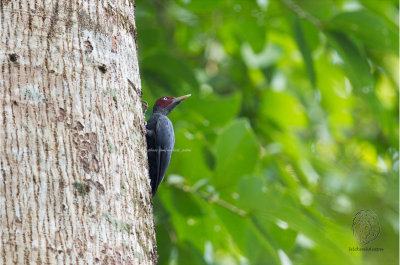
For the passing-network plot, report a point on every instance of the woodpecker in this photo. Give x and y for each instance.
(160, 139)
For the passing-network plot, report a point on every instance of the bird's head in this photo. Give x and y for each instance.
(165, 105)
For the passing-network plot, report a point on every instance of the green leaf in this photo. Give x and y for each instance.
(234, 224)
(189, 224)
(188, 148)
(168, 74)
(237, 152)
(252, 33)
(203, 5)
(189, 254)
(214, 110)
(283, 109)
(247, 237)
(248, 24)
(285, 238)
(185, 204)
(374, 31)
(251, 193)
(304, 49)
(321, 9)
(354, 62)
(259, 245)
(267, 58)
(285, 207)
(164, 240)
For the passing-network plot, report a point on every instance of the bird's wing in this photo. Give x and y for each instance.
(164, 140)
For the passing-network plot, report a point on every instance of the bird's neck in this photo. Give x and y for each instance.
(161, 111)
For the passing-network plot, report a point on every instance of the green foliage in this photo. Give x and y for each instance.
(292, 128)
(236, 154)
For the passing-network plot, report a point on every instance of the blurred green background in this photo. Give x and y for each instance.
(292, 128)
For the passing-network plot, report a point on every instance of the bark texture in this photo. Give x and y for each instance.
(74, 186)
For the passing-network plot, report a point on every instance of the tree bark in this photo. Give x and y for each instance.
(74, 185)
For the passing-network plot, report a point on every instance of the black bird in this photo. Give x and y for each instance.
(160, 139)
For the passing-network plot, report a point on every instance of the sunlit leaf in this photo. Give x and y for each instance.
(283, 109)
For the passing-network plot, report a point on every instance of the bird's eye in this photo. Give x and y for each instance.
(165, 98)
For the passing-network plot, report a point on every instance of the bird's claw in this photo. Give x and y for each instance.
(145, 106)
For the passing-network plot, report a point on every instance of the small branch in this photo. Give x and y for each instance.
(211, 199)
(263, 236)
(301, 13)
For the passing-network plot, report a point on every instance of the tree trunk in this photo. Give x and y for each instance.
(74, 185)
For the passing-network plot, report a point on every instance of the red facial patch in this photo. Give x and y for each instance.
(164, 101)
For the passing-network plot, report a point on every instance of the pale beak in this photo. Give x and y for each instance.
(183, 97)
(176, 102)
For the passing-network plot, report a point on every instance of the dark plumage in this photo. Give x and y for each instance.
(160, 139)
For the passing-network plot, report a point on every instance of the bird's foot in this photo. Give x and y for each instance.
(145, 106)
